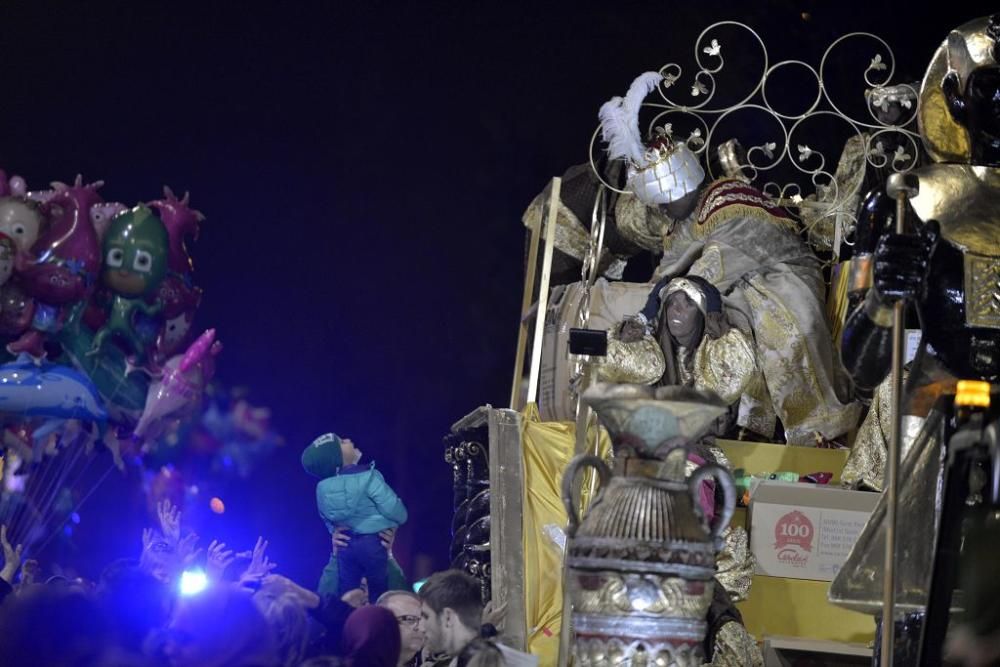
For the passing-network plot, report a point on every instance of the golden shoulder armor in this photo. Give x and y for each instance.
(965, 200)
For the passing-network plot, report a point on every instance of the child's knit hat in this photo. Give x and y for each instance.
(323, 457)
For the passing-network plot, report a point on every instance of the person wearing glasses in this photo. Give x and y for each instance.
(406, 607)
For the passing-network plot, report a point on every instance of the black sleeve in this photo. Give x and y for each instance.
(865, 349)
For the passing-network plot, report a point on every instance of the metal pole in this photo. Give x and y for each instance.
(543, 290)
(522, 328)
(901, 186)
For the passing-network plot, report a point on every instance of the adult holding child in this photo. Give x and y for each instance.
(358, 499)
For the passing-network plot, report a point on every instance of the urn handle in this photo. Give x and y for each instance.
(725, 480)
(569, 476)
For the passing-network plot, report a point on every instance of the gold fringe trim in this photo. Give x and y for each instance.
(729, 212)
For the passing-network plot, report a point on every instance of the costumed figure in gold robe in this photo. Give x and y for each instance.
(704, 351)
(740, 241)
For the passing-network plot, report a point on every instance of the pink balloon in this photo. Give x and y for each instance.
(68, 252)
(181, 386)
(181, 222)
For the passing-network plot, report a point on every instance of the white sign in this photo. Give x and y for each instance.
(806, 532)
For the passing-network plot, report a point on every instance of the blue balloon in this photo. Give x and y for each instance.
(49, 391)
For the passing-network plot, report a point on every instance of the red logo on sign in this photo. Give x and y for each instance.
(793, 538)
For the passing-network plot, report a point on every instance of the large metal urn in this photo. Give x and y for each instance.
(640, 564)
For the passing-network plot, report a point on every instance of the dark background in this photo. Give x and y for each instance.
(363, 167)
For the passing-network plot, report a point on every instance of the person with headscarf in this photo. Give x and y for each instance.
(371, 638)
(703, 350)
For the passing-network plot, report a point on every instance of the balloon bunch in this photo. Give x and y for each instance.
(106, 290)
(97, 303)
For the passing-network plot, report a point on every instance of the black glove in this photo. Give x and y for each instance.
(901, 264)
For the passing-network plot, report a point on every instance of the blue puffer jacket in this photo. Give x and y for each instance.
(360, 499)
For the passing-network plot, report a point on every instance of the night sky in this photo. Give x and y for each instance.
(363, 167)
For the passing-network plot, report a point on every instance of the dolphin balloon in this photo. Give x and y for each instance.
(49, 391)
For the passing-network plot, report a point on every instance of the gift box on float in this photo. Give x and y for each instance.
(805, 531)
(787, 606)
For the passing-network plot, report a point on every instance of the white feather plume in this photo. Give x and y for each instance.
(620, 119)
(616, 130)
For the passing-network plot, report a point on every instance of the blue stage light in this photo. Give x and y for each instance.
(193, 582)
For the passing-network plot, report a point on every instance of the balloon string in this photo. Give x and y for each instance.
(39, 477)
(43, 496)
(45, 473)
(76, 507)
(68, 468)
(57, 467)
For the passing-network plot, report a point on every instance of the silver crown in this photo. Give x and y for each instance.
(671, 171)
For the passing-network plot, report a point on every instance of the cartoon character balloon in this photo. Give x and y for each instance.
(135, 262)
(65, 262)
(177, 294)
(21, 220)
(124, 393)
(181, 222)
(68, 255)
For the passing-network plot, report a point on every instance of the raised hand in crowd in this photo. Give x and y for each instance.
(170, 521)
(260, 565)
(11, 557)
(219, 558)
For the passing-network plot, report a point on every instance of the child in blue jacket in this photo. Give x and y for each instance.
(357, 497)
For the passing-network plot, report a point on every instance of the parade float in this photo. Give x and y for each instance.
(739, 413)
